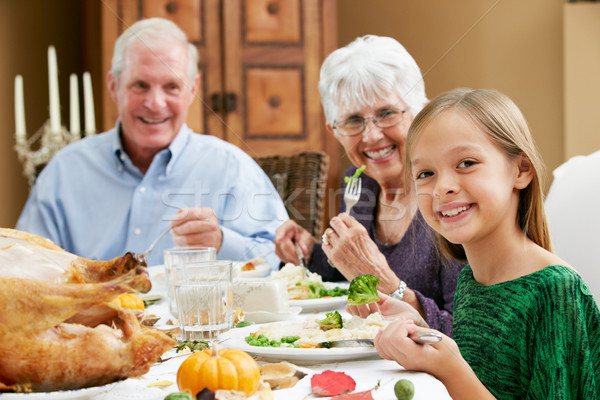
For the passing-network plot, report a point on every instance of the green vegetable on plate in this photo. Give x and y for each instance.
(332, 320)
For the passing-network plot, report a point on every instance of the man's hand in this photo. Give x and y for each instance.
(286, 236)
(197, 226)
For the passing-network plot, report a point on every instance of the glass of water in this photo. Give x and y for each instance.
(204, 299)
(183, 255)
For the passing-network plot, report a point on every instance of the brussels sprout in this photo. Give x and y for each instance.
(179, 396)
(404, 389)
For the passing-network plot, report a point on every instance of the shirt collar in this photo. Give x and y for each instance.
(175, 149)
(178, 145)
(117, 146)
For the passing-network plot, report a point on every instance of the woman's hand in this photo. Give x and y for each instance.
(390, 308)
(287, 235)
(354, 253)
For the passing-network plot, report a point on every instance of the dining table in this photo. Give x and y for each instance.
(371, 373)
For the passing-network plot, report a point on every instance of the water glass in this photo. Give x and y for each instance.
(183, 255)
(204, 299)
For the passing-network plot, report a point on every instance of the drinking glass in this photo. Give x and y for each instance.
(183, 255)
(204, 299)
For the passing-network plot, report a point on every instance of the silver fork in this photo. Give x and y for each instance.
(352, 193)
(143, 258)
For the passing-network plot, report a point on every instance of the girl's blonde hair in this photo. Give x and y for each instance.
(498, 117)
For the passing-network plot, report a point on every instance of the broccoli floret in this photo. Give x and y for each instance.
(363, 290)
(332, 320)
(316, 290)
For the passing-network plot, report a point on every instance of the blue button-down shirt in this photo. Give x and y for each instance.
(92, 201)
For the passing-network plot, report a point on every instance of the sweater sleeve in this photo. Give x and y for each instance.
(566, 344)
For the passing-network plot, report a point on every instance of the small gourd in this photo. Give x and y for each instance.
(130, 300)
(231, 369)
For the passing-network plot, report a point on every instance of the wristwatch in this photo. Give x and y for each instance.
(398, 294)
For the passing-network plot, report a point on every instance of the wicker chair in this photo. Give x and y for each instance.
(301, 181)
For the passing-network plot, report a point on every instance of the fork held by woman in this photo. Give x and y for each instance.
(352, 193)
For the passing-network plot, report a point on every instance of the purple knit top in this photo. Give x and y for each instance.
(415, 259)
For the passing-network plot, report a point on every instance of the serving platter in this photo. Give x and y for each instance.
(76, 394)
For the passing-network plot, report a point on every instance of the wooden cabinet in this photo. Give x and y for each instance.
(259, 66)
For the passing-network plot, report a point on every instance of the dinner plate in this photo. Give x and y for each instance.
(325, 303)
(77, 394)
(261, 317)
(318, 305)
(259, 271)
(235, 338)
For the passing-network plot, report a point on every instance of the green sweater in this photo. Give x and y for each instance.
(535, 337)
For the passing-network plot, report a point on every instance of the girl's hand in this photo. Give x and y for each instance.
(354, 253)
(394, 343)
(390, 308)
(442, 359)
(287, 235)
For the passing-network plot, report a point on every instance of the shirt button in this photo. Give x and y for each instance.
(142, 189)
(137, 231)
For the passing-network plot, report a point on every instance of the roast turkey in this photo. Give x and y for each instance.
(59, 329)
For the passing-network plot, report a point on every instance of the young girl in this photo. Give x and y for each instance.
(525, 324)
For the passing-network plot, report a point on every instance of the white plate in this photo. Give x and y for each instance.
(323, 304)
(260, 317)
(317, 305)
(77, 394)
(235, 338)
(259, 271)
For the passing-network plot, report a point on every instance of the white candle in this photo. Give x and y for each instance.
(88, 104)
(20, 131)
(75, 126)
(53, 84)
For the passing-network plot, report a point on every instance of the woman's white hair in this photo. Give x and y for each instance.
(146, 31)
(370, 67)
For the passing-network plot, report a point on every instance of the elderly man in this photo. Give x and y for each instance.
(117, 191)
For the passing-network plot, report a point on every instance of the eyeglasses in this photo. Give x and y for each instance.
(356, 125)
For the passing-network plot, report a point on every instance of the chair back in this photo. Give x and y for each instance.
(301, 181)
(573, 219)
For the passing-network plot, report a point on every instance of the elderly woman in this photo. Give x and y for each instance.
(370, 91)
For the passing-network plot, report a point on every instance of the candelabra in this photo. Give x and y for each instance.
(35, 152)
(49, 143)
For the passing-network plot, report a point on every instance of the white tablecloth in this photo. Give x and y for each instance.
(366, 373)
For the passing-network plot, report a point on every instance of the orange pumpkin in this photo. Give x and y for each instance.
(232, 369)
(130, 300)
